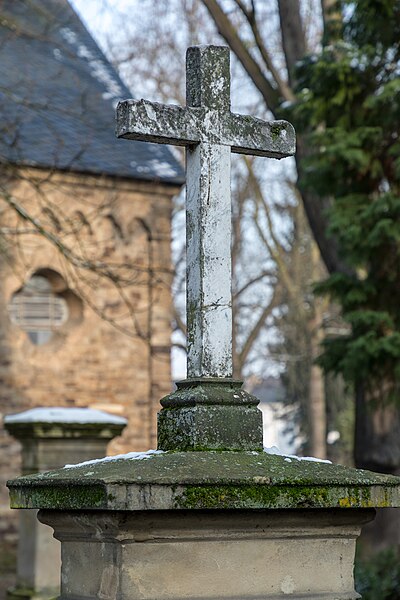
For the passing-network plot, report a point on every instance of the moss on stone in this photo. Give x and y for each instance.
(200, 428)
(20, 593)
(274, 497)
(211, 414)
(276, 130)
(55, 497)
(206, 480)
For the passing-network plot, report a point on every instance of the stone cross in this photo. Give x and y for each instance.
(209, 131)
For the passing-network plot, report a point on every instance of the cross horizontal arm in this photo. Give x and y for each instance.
(171, 124)
(153, 122)
(249, 135)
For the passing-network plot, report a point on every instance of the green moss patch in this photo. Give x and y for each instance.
(195, 480)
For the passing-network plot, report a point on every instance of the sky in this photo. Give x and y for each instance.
(98, 16)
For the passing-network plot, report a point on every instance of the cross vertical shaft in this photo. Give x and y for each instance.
(208, 217)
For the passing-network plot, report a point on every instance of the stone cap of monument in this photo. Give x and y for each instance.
(158, 480)
(60, 422)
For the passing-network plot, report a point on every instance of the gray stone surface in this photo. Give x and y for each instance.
(208, 554)
(207, 524)
(209, 414)
(171, 124)
(191, 525)
(210, 132)
(50, 438)
(205, 480)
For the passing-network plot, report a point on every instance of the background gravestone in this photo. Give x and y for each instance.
(52, 437)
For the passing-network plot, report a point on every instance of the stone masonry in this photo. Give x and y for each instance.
(89, 361)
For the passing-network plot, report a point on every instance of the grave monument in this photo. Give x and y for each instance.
(209, 514)
(51, 437)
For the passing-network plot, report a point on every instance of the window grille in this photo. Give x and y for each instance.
(37, 310)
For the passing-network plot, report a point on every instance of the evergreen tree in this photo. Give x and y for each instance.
(348, 113)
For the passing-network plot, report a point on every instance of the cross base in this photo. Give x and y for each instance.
(208, 554)
(209, 414)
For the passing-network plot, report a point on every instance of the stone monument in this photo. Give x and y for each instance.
(209, 514)
(50, 438)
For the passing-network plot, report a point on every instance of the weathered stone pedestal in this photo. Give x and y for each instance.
(208, 554)
(51, 438)
(190, 525)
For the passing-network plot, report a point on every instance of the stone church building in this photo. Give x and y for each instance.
(85, 264)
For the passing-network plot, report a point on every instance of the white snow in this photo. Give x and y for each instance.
(64, 415)
(162, 168)
(275, 450)
(129, 456)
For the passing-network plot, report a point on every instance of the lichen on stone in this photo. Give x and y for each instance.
(217, 480)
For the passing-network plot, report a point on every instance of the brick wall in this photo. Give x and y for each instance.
(90, 361)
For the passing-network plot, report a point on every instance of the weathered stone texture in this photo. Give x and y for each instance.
(207, 554)
(89, 362)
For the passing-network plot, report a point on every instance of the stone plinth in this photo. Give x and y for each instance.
(176, 525)
(208, 554)
(51, 438)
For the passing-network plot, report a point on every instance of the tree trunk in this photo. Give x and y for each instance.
(292, 34)
(377, 435)
(317, 407)
(317, 413)
(377, 448)
(316, 209)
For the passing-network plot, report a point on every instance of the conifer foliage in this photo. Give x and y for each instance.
(348, 111)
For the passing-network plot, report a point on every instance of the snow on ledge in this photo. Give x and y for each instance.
(129, 456)
(65, 415)
(290, 457)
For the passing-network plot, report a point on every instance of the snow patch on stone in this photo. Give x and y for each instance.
(65, 415)
(106, 459)
(276, 451)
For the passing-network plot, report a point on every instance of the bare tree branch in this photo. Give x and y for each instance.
(282, 86)
(251, 66)
(255, 331)
(178, 320)
(315, 207)
(252, 281)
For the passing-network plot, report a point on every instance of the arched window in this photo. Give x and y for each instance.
(38, 310)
